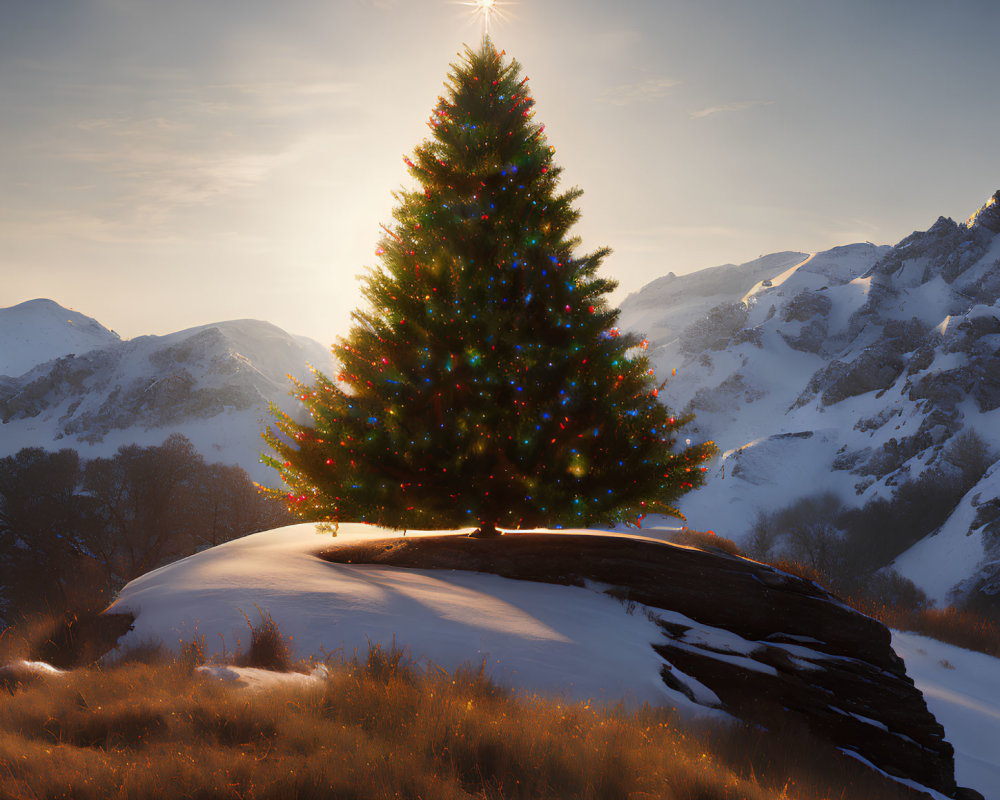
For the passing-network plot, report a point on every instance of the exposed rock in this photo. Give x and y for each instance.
(946, 389)
(754, 336)
(984, 288)
(969, 331)
(734, 392)
(716, 329)
(921, 359)
(987, 513)
(782, 647)
(946, 248)
(988, 216)
(874, 423)
(942, 390)
(849, 459)
(893, 454)
(875, 369)
(806, 306)
(905, 336)
(811, 337)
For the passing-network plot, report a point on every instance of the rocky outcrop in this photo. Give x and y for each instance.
(874, 370)
(716, 329)
(729, 395)
(810, 338)
(945, 390)
(806, 306)
(768, 646)
(946, 249)
(988, 216)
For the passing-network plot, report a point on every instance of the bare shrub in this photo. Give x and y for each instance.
(389, 663)
(762, 538)
(268, 648)
(971, 455)
(192, 652)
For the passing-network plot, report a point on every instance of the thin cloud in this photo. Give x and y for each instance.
(741, 106)
(641, 92)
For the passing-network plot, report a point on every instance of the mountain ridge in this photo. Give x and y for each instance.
(214, 383)
(852, 372)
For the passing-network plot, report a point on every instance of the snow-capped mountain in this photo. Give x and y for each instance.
(89, 390)
(40, 330)
(848, 371)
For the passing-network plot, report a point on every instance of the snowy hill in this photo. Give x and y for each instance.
(212, 383)
(850, 371)
(37, 331)
(680, 648)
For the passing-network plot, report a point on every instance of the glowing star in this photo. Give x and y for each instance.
(485, 9)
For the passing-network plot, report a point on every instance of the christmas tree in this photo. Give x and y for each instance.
(487, 383)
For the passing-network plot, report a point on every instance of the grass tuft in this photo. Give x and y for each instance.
(705, 540)
(268, 648)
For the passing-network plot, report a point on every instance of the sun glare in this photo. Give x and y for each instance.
(486, 10)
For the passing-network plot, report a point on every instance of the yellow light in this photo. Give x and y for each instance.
(485, 9)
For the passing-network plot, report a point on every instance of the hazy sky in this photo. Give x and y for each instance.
(167, 164)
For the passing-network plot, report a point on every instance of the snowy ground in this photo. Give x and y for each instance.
(547, 639)
(962, 689)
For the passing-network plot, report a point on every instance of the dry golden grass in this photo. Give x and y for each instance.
(952, 625)
(705, 540)
(382, 729)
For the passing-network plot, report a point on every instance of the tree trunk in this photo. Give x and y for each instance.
(486, 530)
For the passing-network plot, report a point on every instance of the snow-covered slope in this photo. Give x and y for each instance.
(560, 640)
(212, 383)
(962, 690)
(849, 371)
(961, 558)
(37, 331)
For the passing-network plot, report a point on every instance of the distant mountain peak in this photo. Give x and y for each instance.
(39, 330)
(988, 216)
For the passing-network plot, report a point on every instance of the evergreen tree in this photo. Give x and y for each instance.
(487, 383)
